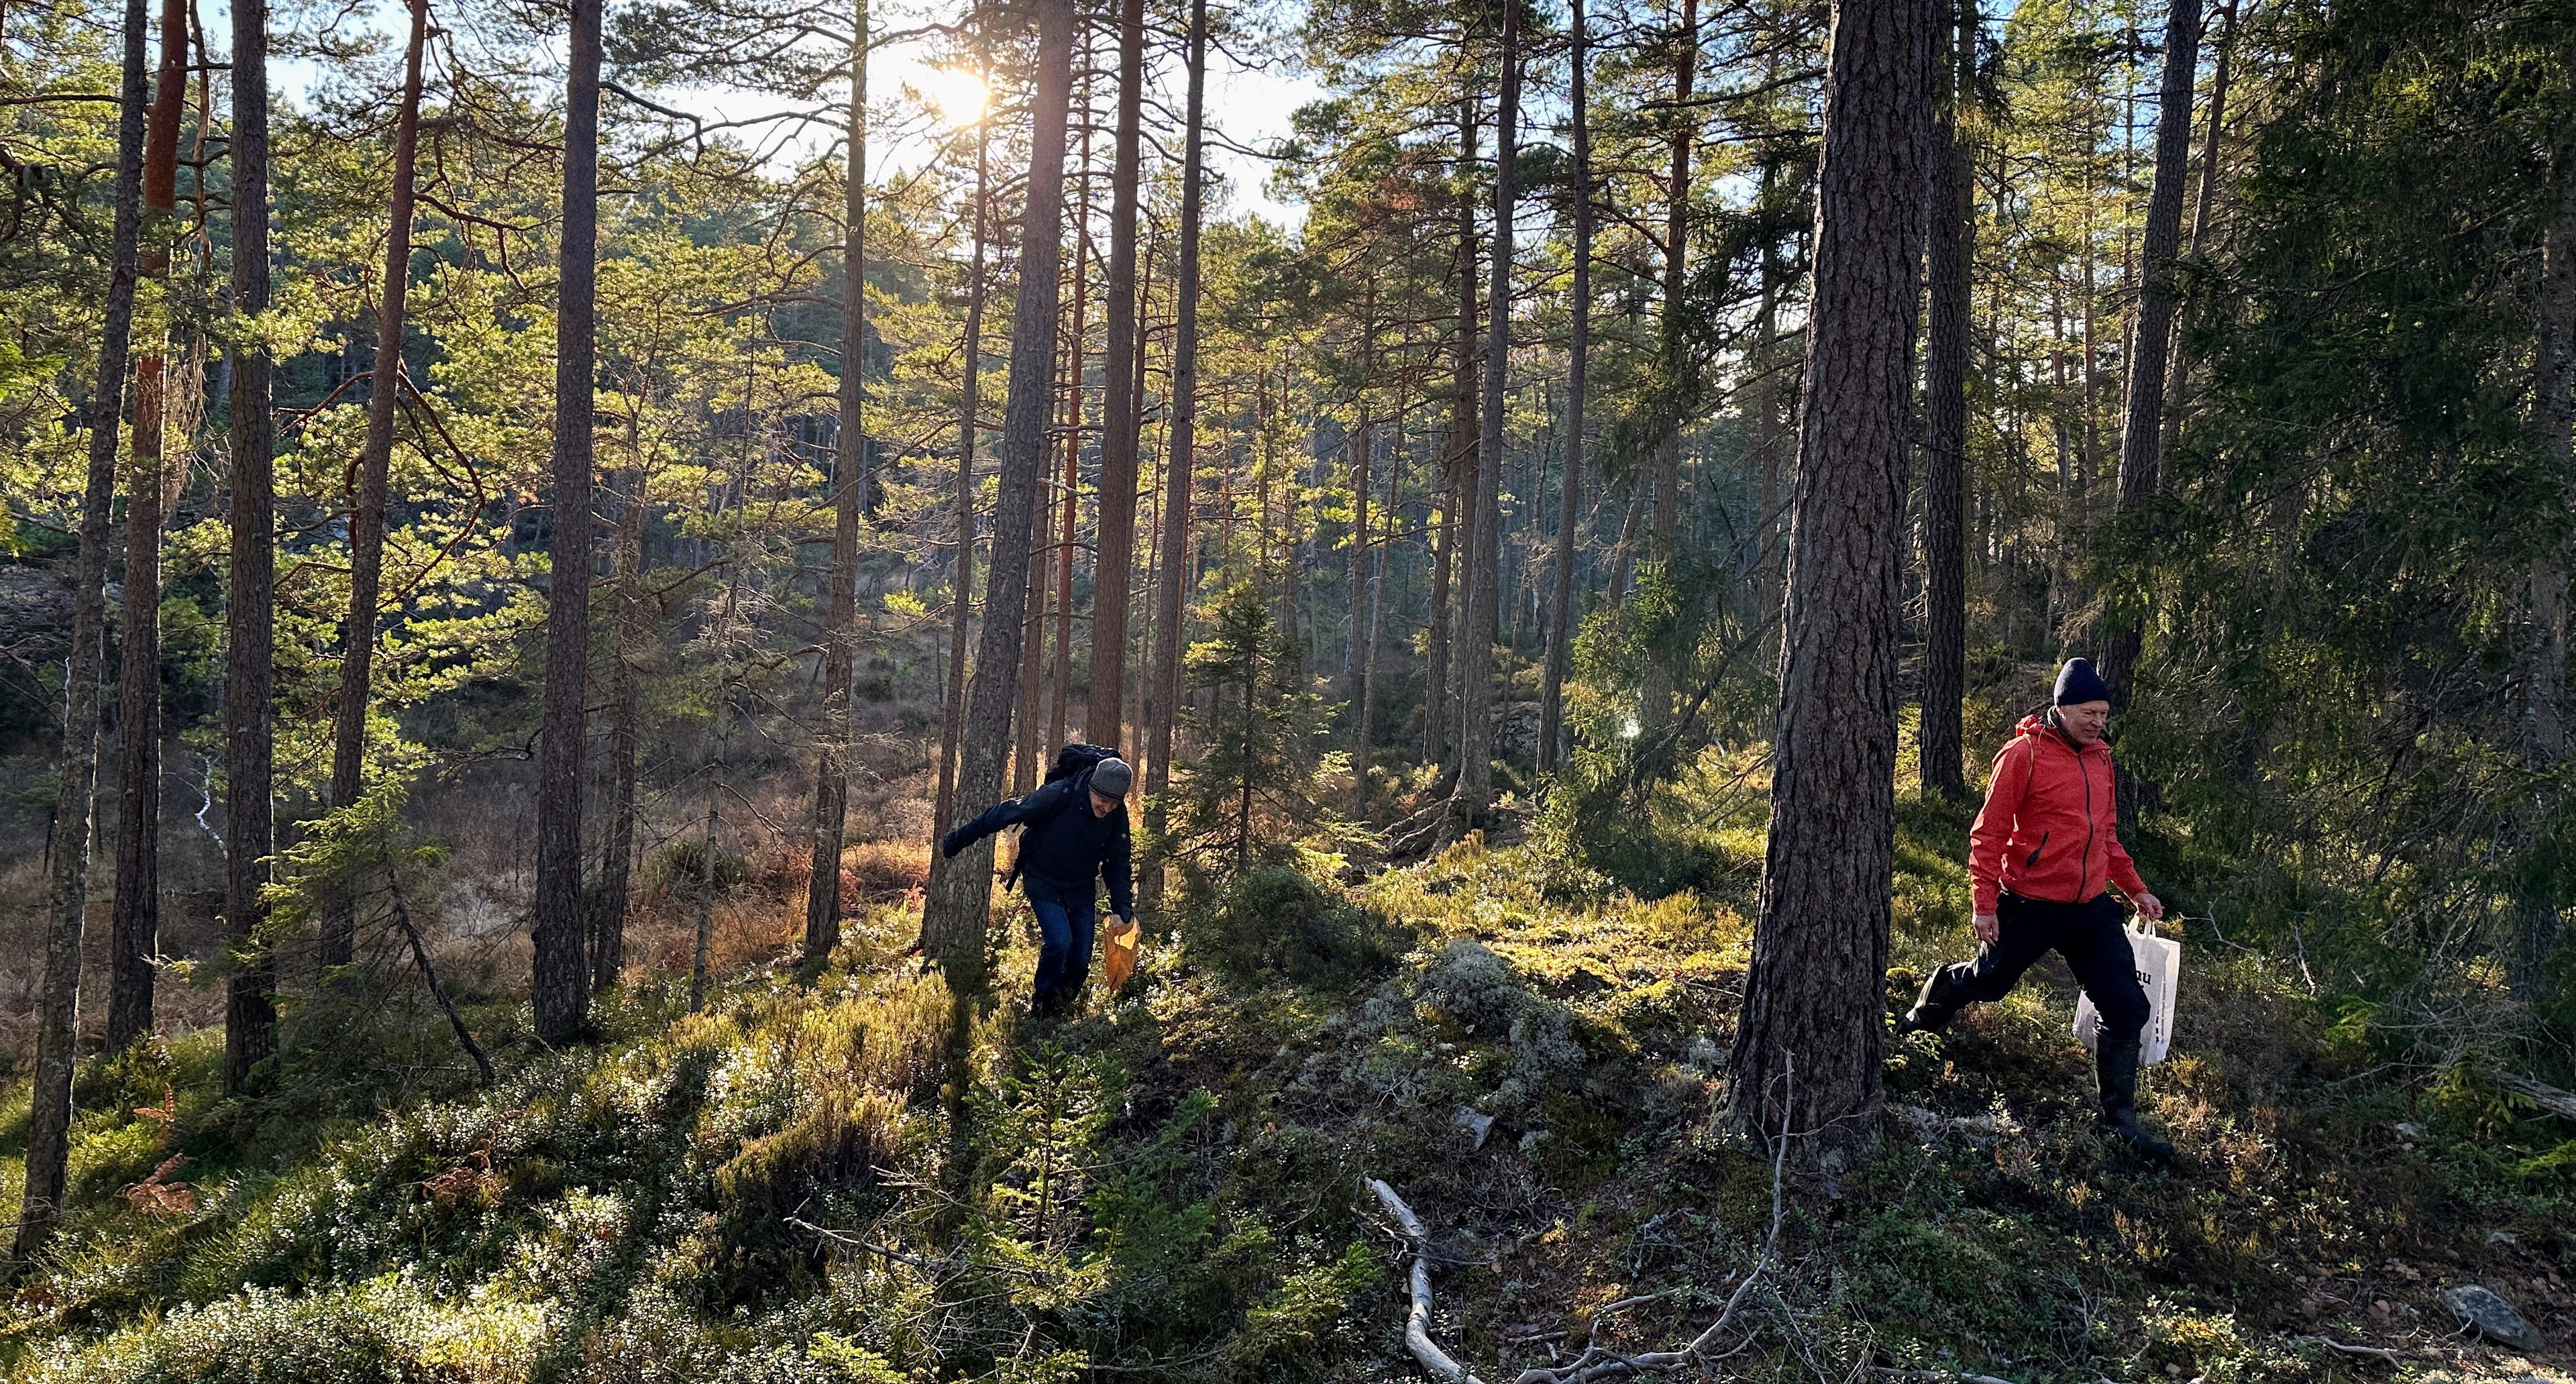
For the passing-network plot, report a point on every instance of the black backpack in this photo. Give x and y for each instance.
(1072, 761)
(1077, 758)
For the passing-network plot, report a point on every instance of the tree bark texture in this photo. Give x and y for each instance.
(2160, 249)
(971, 398)
(1181, 429)
(1664, 526)
(1625, 551)
(67, 875)
(1068, 507)
(1103, 719)
(1376, 608)
(1667, 456)
(1560, 597)
(367, 506)
(1812, 994)
(953, 923)
(2204, 203)
(1458, 469)
(2539, 917)
(1024, 757)
(625, 735)
(1951, 231)
(850, 487)
(1362, 444)
(561, 971)
(250, 602)
(135, 926)
(1484, 592)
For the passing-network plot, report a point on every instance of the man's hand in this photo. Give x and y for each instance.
(2149, 907)
(1986, 926)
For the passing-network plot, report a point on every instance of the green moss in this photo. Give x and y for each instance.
(1176, 1178)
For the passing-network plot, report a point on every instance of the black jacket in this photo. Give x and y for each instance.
(1068, 848)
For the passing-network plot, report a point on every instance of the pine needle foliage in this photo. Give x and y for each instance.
(1253, 792)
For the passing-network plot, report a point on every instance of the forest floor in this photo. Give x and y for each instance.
(1170, 1184)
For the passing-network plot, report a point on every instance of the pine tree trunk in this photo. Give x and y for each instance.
(625, 736)
(1458, 469)
(1182, 427)
(1664, 526)
(561, 971)
(1362, 444)
(2539, 916)
(1376, 607)
(850, 487)
(1068, 508)
(1560, 597)
(960, 896)
(1060, 671)
(135, 927)
(971, 398)
(250, 615)
(1484, 595)
(1625, 559)
(67, 859)
(708, 864)
(1435, 691)
(1952, 235)
(1103, 721)
(367, 506)
(1666, 520)
(1807, 1050)
(2142, 433)
(1137, 653)
(1025, 755)
(2178, 372)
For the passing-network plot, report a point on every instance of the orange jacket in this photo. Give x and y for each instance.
(2049, 827)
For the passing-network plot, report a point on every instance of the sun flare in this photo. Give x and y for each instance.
(959, 95)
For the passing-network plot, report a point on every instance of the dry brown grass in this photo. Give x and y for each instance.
(879, 870)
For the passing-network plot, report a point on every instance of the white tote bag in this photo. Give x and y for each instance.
(2159, 967)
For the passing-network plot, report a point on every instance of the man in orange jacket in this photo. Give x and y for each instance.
(2042, 858)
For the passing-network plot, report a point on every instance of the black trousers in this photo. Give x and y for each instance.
(2091, 937)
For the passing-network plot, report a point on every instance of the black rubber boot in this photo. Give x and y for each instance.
(2115, 1064)
(1941, 999)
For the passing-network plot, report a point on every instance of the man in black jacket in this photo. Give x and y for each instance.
(1073, 833)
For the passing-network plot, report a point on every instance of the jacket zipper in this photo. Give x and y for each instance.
(2031, 861)
(2084, 868)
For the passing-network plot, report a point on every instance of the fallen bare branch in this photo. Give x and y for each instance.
(843, 1237)
(2374, 1352)
(1596, 1363)
(948, 1266)
(2547, 1097)
(429, 975)
(1624, 1303)
(1417, 1321)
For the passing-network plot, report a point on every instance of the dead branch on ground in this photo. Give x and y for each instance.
(1596, 1362)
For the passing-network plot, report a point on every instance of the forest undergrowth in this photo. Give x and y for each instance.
(1170, 1185)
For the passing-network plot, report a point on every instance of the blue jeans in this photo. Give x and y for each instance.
(1064, 945)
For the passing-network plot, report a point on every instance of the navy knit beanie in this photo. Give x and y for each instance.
(2077, 682)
